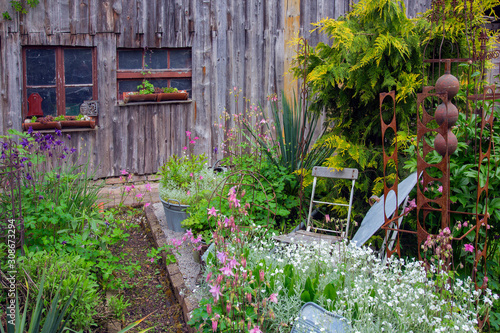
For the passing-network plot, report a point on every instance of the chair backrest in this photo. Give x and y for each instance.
(324, 172)
(315, 319)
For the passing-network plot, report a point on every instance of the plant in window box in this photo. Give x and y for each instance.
(47, 122)
(185, 181)
(170, 93)
(145, 92)
(77, 121)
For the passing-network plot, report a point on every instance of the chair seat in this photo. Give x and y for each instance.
(302, 236)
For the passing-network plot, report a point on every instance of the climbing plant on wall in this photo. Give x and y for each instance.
(20, 7)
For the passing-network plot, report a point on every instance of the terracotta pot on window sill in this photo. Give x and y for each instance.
(78, 123)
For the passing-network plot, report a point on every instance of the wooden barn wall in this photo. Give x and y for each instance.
(235, 44)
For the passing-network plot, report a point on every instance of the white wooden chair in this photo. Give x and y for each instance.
(330, 235)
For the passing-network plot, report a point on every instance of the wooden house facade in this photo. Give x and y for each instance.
(94, 49)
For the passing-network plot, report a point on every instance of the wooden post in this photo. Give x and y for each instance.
(292, 28)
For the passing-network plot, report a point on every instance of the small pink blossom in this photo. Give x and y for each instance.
(152, 259)
(256, 329)
(188, 134)
(147, 204)
(273, 298)
(215, 291)
(148, 187)
(192, 142)
(212, 211)
(214, 325)
(209, 275)
(196, 138)
(139, 195)
(327, 218)
(440, 189)
(469, 248)
(185, 148)
(191, 174)
(124, 172)
(209, 309)
(465, 224)
(128, 189)
(201, 177)
(261, 275)
(188, 193)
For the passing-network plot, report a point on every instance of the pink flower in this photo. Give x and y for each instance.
(212, 211)
(214, 325)
(192, 142)
(148, 187)
(256, 329)
(249, 297)
(228, 307)
(222, 257)
(188, 134)
(469, 248)
(440, 189)
(196, 138)
(152, 259)
(215, 290)
(209, 309)
(201, 177)
(273, 298)
(233, 263)
(188, 193)
(124, 172)
(189, 233)
(209, 275)
(139, 195)
(191, 174)
(327, 218)
(261, 275)
(147, 204)
(465, 224)
(128, 189)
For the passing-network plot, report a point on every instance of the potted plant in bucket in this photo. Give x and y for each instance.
(184, 181)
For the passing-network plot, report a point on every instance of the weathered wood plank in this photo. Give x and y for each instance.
(79, 16)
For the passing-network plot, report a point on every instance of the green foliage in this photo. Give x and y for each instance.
(155, 254)
(69, 272)
(145, 88)
(169, 90)
(19, 7)
(118, 305)
(55, 318)
(375, 48)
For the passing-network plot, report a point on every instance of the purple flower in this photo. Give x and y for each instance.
(216, 150)
(28, 177)
(58, 132)
(73, 150)
(63, 242)
(40, 197)
(30, 130)
(69, 136)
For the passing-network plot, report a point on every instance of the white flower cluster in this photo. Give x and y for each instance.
(395, 297)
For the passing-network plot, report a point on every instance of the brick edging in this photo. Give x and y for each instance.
(174, 274)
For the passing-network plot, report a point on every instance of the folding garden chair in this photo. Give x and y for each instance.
(330, 235)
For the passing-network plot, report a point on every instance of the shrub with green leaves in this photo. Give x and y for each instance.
(69, 271)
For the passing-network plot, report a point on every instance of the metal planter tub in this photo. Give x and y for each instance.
(175, 213)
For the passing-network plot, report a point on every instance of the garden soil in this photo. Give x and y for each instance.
(151, 292)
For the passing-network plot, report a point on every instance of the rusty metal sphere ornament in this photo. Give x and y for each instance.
(440, 143)
(447, 83)
(446, 111)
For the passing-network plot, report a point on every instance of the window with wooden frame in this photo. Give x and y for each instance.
(64, 77)
(165, 67)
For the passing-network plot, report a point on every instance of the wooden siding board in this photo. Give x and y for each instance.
(128, 37)
(79, 18)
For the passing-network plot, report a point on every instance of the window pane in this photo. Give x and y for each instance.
(40, 67)
(160, 83)
(130, 59)
(157, 59)
(182, 84)
(78, 66)
(126, 86)
(180, 58)
(49, 106)
(75, 96)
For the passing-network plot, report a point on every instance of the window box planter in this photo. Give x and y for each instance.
(41, 126)
(130, 97)
(69, 122)
(181, 95)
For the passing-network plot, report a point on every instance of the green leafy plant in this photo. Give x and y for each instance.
(367, 56)
(169, 90)
(55, 318)
(187, 179)
(156, 253)
(59, 118)
(118, 305)
(70, 272)
(146, 88)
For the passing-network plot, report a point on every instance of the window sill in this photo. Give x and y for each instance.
(53, 126)
(187, 101)
(68, 130)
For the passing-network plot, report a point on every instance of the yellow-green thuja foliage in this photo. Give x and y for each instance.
(374, 48)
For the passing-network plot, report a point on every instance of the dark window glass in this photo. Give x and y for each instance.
(156, 59)
(180, 58)
(78, 66)
(130, 59)
(40, 67)
(49, 106)
(75, 96)
(181, 84)
(126, 86)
